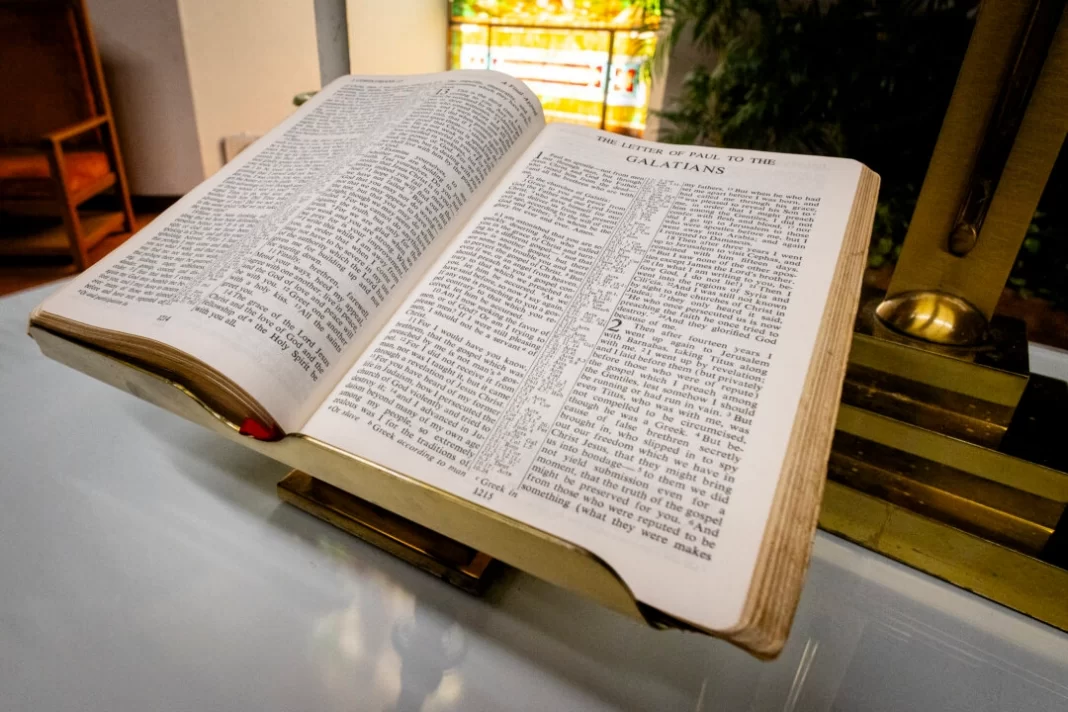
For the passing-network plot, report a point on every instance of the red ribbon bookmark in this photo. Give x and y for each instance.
(258, 430)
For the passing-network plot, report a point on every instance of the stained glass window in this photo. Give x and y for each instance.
(588, 61)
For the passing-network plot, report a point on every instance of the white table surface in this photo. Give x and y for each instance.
(146, 564)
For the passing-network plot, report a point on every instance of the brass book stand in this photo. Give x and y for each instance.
(449, 560)
(948, 455)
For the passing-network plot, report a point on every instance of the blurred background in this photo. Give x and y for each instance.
(192, 82)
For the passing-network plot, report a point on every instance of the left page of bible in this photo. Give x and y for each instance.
(279, 269)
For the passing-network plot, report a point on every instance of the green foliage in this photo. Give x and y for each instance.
(865, 78)
(1041, 268)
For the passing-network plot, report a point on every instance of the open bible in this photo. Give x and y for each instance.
(636, 347)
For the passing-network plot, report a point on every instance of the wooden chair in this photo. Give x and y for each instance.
(58, 145)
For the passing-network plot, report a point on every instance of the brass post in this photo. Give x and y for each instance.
(999, 140)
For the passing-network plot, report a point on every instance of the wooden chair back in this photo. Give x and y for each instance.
(53, 107)
(47, 77)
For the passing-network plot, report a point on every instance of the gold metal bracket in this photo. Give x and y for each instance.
(965, 393)
(942, 460)
(999, 573)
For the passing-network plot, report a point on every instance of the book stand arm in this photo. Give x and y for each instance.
(449, 560)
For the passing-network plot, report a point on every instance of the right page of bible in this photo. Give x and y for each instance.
(613, 351)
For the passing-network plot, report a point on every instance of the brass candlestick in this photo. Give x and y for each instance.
(946, 456)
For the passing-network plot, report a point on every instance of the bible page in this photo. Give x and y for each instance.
(613, 350)
(281, 267)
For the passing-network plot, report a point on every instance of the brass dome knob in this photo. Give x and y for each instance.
(935, 317)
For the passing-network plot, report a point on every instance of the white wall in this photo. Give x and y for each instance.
(140, 44)
(182, 74)
(397, 36)
(246, 59)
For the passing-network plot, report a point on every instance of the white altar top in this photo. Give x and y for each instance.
(146, 564)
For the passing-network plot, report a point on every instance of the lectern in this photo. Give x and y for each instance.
(949, 455)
